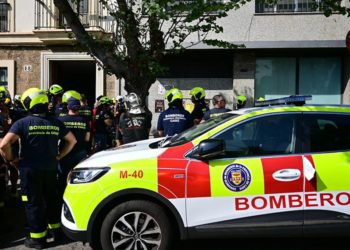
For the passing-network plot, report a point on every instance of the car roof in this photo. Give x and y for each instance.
(305, 108)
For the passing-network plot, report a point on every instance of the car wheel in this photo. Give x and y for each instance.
(137, 225)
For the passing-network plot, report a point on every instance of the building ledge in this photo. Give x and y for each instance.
(278, 44)
(45, 37)
(65, 36)
(54, 36)
(19, 38)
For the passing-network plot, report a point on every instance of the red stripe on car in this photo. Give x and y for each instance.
(275, 164)
(172, 171)
(198, 180)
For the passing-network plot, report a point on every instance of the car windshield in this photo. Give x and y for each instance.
(197, 130)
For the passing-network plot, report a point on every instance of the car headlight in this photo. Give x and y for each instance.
(85, 175)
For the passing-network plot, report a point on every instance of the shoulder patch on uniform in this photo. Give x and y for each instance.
(236, 177)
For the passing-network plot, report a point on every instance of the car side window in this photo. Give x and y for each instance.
(267, 135)
(326, 132)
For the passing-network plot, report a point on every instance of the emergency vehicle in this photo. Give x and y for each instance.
(271, 170)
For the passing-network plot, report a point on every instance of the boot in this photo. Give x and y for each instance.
(35, 243)
(56, 234)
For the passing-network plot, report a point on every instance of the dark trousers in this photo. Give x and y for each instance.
(101, 140)
(2, 193)
(40, 197)
(2, 181)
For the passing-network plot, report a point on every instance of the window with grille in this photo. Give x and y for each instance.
(81, 7)
(191, 2)
(4, 17)
(3, 76)
(286, 6)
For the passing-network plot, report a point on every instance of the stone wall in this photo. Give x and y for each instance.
(24, 56)
(110, 86)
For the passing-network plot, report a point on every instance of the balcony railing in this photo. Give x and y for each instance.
(47, 16)
(286, 6)
(4, 17)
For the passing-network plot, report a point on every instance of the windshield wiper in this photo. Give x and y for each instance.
(164, 141)
(177, 142)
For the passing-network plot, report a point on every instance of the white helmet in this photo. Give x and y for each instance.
(134, 104)
(120, 98)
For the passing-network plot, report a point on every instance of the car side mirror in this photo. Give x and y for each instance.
(209, 149)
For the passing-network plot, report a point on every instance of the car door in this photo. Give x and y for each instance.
(257, 185)
(326, 145)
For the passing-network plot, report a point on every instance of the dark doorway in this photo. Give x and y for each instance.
(75, 75)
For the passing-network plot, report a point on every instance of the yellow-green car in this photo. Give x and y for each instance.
(264, 171)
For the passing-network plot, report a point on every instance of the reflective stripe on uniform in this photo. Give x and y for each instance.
(38, 235)
(24, 198)
(54, 226)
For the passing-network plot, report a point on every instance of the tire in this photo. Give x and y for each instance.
(153, 227)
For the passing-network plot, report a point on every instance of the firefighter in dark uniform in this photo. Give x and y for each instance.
(4, 126)
(241, 101)
(135, 123)
(175, 119)
(79, 126)
(16, 112)
(85, 110)
(119, 110)
(39, 135)
(200, 107)
(56, 107)
(103, 123)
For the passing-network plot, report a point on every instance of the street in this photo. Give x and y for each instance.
(14, 237)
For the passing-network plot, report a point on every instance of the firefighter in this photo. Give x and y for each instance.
(16, 112)
(39, 135)
(119, 110)
(86, 111)
(135, 123)
(103, 123)
(200, 107)
(241, 101)
(56, 107)
(174, 119)
(79, 126)
(4, 126)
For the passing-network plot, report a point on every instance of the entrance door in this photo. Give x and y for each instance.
(76, 75)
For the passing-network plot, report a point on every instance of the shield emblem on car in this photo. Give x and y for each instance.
(236, 177)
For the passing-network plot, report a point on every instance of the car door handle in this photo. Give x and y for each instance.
(287, 175)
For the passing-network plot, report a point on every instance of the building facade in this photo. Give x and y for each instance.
(36, 49)
(289, 49)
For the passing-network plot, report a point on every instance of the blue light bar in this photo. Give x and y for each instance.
(297, 100)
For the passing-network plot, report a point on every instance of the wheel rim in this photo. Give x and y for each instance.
(136, 231)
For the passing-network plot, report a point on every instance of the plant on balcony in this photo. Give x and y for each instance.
(146, 31)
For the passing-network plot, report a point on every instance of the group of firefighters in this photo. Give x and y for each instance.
(44, 134)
